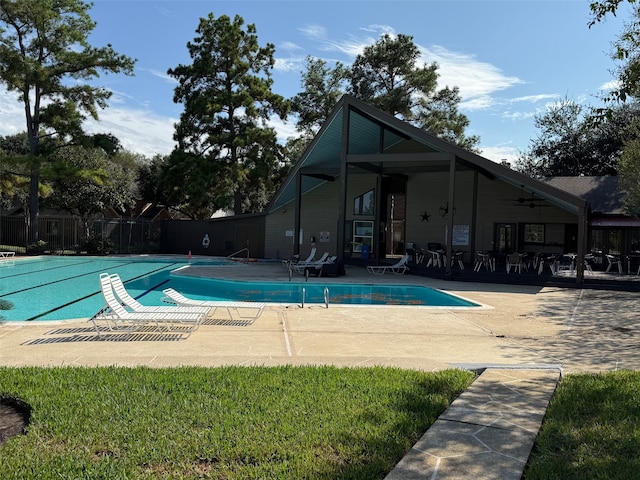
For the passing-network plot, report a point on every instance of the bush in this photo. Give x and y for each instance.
(38, 247)
(99, 246)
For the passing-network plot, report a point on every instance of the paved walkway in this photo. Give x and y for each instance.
(522, 338)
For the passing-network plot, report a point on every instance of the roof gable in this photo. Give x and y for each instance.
(386, 144)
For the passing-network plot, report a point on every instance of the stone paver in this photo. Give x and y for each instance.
(487, 432)
(522, 338)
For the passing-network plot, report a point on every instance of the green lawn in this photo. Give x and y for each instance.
(221, 423)
(591, 430)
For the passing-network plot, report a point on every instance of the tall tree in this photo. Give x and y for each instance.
(44, 58)
(225, 142)
(322, 88)
(387, 75)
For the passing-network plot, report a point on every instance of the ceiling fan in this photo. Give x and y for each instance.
(530, 202)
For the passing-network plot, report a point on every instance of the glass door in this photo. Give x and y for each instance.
(362, 236)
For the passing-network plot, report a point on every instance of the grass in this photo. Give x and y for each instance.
(591, 430)
(222, 423)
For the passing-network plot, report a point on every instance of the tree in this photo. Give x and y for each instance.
(44, 58)
(441, 117)
(629, 169)
(87, 180)
(322, 88)
(14, 173)
(225, 146)
(573, 141)
(385, 75)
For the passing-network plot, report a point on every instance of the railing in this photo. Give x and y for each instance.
(326, 297)
(67, 235)
(239, 251)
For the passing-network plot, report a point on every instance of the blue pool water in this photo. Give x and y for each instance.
(58, 288)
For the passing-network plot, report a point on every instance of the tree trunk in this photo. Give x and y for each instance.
(237, 202)
(34, 205)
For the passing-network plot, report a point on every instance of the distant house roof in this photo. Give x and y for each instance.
(601, 192)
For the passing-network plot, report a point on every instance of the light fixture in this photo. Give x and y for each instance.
(444, 209)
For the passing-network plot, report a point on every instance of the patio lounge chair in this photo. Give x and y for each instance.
(117, 318)
(300, 267)
(175, 297)
(296, 259)
(127, 301)
(398, 268)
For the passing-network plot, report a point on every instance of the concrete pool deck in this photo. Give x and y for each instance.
(521, 339)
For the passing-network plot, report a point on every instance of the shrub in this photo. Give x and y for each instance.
(99, 246)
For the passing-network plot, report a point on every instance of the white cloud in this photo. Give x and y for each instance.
(476, 79)
(611, 85)
(162, 75)
(290, 46)
(498, 153)
(293, 64)
(12, 118)
(536, 98)
(139, 131)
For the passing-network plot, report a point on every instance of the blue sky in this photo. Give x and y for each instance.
(509, 58)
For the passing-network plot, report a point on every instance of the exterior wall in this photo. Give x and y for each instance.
(319, 214)
(226, 236)
(426, 194)
(497, 203)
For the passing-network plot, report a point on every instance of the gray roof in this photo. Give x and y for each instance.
(601, 192)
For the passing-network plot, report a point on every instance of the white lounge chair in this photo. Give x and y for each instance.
(300, 267)
(117, 318)
(175, 297)
(296, 259)
(127, 301)
(398, 268)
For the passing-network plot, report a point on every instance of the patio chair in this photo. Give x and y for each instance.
(127, 301)
(435, 258)
(398, 268)
(458, 257)
(301, 267)
(483, 260)
(296, 259)
(117, 318)
(514, 261)
(177, 298)
(613, 262)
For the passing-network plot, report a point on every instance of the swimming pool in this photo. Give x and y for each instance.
(58, 288)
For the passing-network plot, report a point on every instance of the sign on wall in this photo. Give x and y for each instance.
(460, 235)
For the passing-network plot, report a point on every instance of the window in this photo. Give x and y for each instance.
(363, 205)
(534, 233)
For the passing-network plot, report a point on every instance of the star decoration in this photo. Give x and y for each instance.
(425, 216)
